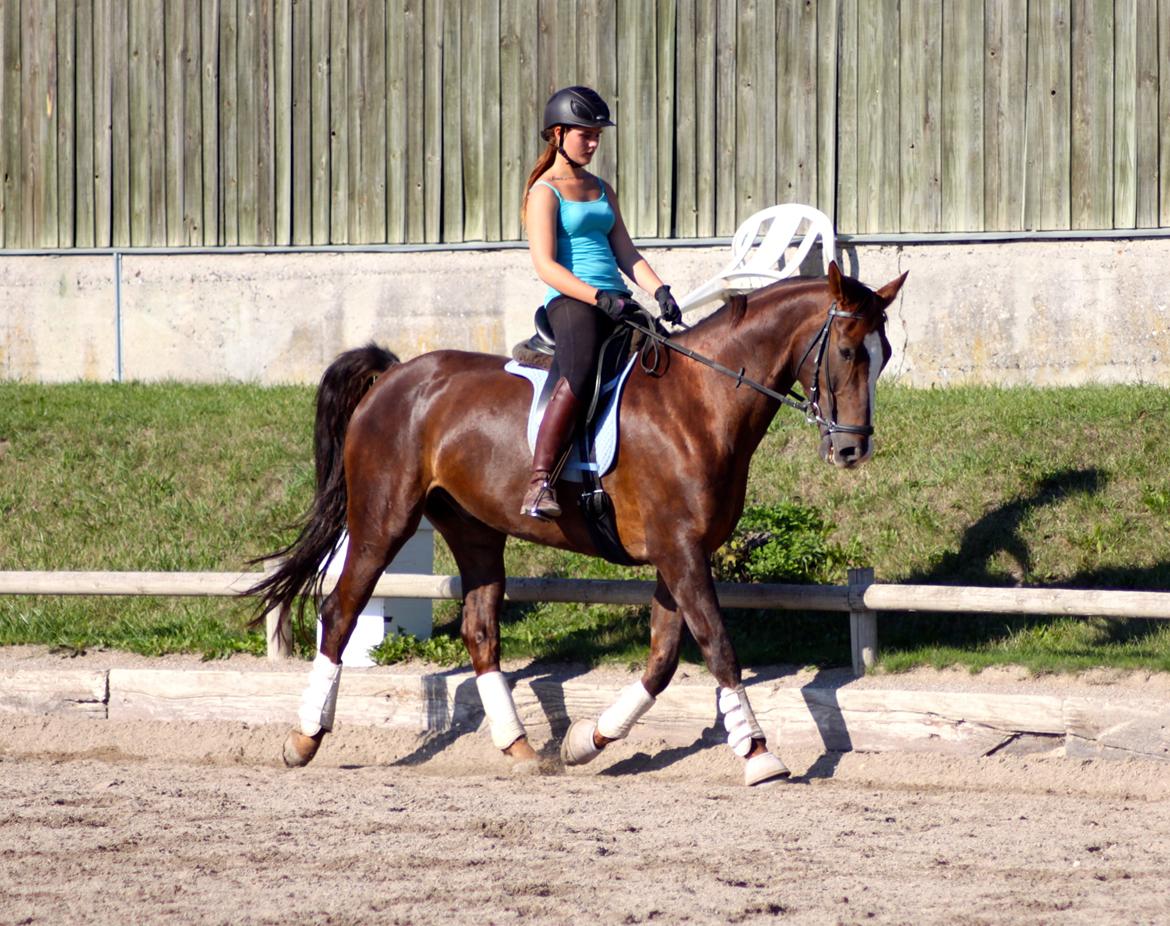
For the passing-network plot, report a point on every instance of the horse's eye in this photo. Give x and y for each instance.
(847, 354)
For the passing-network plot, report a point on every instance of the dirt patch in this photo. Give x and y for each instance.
(106, 822)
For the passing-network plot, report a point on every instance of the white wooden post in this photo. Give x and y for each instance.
(863, 632)
(414, 616)
(397, 615)
(278, 631)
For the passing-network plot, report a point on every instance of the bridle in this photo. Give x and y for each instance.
(810, 407)
(814, 415)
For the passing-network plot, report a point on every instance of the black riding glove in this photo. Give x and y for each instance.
(616, 305)
(668, 307)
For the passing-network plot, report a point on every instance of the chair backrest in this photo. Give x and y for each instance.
(759, 248)
(776, 228)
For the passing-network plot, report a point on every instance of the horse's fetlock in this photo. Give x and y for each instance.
(619, 718)
(499, 708)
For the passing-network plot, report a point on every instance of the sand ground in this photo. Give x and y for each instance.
(148, 822)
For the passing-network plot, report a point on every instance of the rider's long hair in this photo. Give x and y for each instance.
(547, 157)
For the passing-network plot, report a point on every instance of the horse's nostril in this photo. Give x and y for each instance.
(849, 455)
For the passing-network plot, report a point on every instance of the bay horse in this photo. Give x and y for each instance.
(444, 435)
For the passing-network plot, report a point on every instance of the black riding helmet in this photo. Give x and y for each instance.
(578, 106)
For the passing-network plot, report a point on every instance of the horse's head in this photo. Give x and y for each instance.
(841, 367)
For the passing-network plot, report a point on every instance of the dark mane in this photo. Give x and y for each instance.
(736, 308)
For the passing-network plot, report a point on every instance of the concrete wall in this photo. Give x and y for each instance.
(1048, 312)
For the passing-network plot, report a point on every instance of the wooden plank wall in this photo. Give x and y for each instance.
(224, 122)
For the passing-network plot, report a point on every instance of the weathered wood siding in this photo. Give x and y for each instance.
(224, 122)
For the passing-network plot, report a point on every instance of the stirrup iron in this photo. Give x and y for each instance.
(540, 502)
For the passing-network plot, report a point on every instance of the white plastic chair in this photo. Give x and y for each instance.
(755, 264)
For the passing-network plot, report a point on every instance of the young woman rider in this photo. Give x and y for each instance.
(578, 243)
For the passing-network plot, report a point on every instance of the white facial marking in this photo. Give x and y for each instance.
(875, 347)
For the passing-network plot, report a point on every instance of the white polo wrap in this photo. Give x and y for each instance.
(319, 702)
(619, 718)
(739, 720)
(499, 708)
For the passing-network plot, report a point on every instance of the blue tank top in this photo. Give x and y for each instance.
(583, 243)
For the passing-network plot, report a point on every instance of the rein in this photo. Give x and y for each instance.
(809, 407)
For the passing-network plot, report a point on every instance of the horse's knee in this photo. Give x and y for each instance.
(718, 653)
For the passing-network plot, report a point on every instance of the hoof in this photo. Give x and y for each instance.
(764, 769)
(300, 749)
(578, 747)
(523, 758)
(526, 768)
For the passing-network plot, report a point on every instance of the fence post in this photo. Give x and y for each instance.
(278, 623)
(278, 632)
(863, 632)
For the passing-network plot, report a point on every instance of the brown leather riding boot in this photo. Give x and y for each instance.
(556, 427)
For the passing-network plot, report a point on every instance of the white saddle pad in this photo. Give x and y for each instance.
(605, 422)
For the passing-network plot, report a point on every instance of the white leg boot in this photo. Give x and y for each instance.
(615, 723)
(500, 709)
(319, 701)
(742, 727)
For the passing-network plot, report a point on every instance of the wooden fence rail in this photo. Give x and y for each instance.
(862, 597)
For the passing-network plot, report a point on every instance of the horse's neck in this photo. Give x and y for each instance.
(766, 341)
(764, 344)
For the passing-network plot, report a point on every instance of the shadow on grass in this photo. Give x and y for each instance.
(998, 533)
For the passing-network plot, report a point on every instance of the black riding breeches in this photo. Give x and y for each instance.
(580, 329)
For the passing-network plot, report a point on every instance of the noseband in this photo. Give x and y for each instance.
(809, 407)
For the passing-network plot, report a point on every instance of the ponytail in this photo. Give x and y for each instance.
(543, 163)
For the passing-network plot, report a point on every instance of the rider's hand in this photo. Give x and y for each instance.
(616, 305)
(668, 307)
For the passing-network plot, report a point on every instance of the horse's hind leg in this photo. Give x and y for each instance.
(371, 547)
(479, 554)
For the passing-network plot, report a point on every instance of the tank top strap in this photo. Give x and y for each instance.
(551, 187)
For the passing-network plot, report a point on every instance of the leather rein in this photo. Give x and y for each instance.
(809, 407)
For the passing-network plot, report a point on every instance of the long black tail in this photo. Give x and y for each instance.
(302, 564)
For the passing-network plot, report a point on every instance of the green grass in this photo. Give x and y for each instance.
(132, 477)
(974, 486)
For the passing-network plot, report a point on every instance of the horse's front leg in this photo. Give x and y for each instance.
(685, 591)
(689, 578)
(585, 739)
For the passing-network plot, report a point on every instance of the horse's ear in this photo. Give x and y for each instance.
(889, 292)
(835, 281)
(846, 291)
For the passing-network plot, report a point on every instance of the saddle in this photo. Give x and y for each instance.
(598, 431)
(538, 350)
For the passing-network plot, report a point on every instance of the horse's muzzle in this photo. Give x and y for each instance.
(845, 450)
